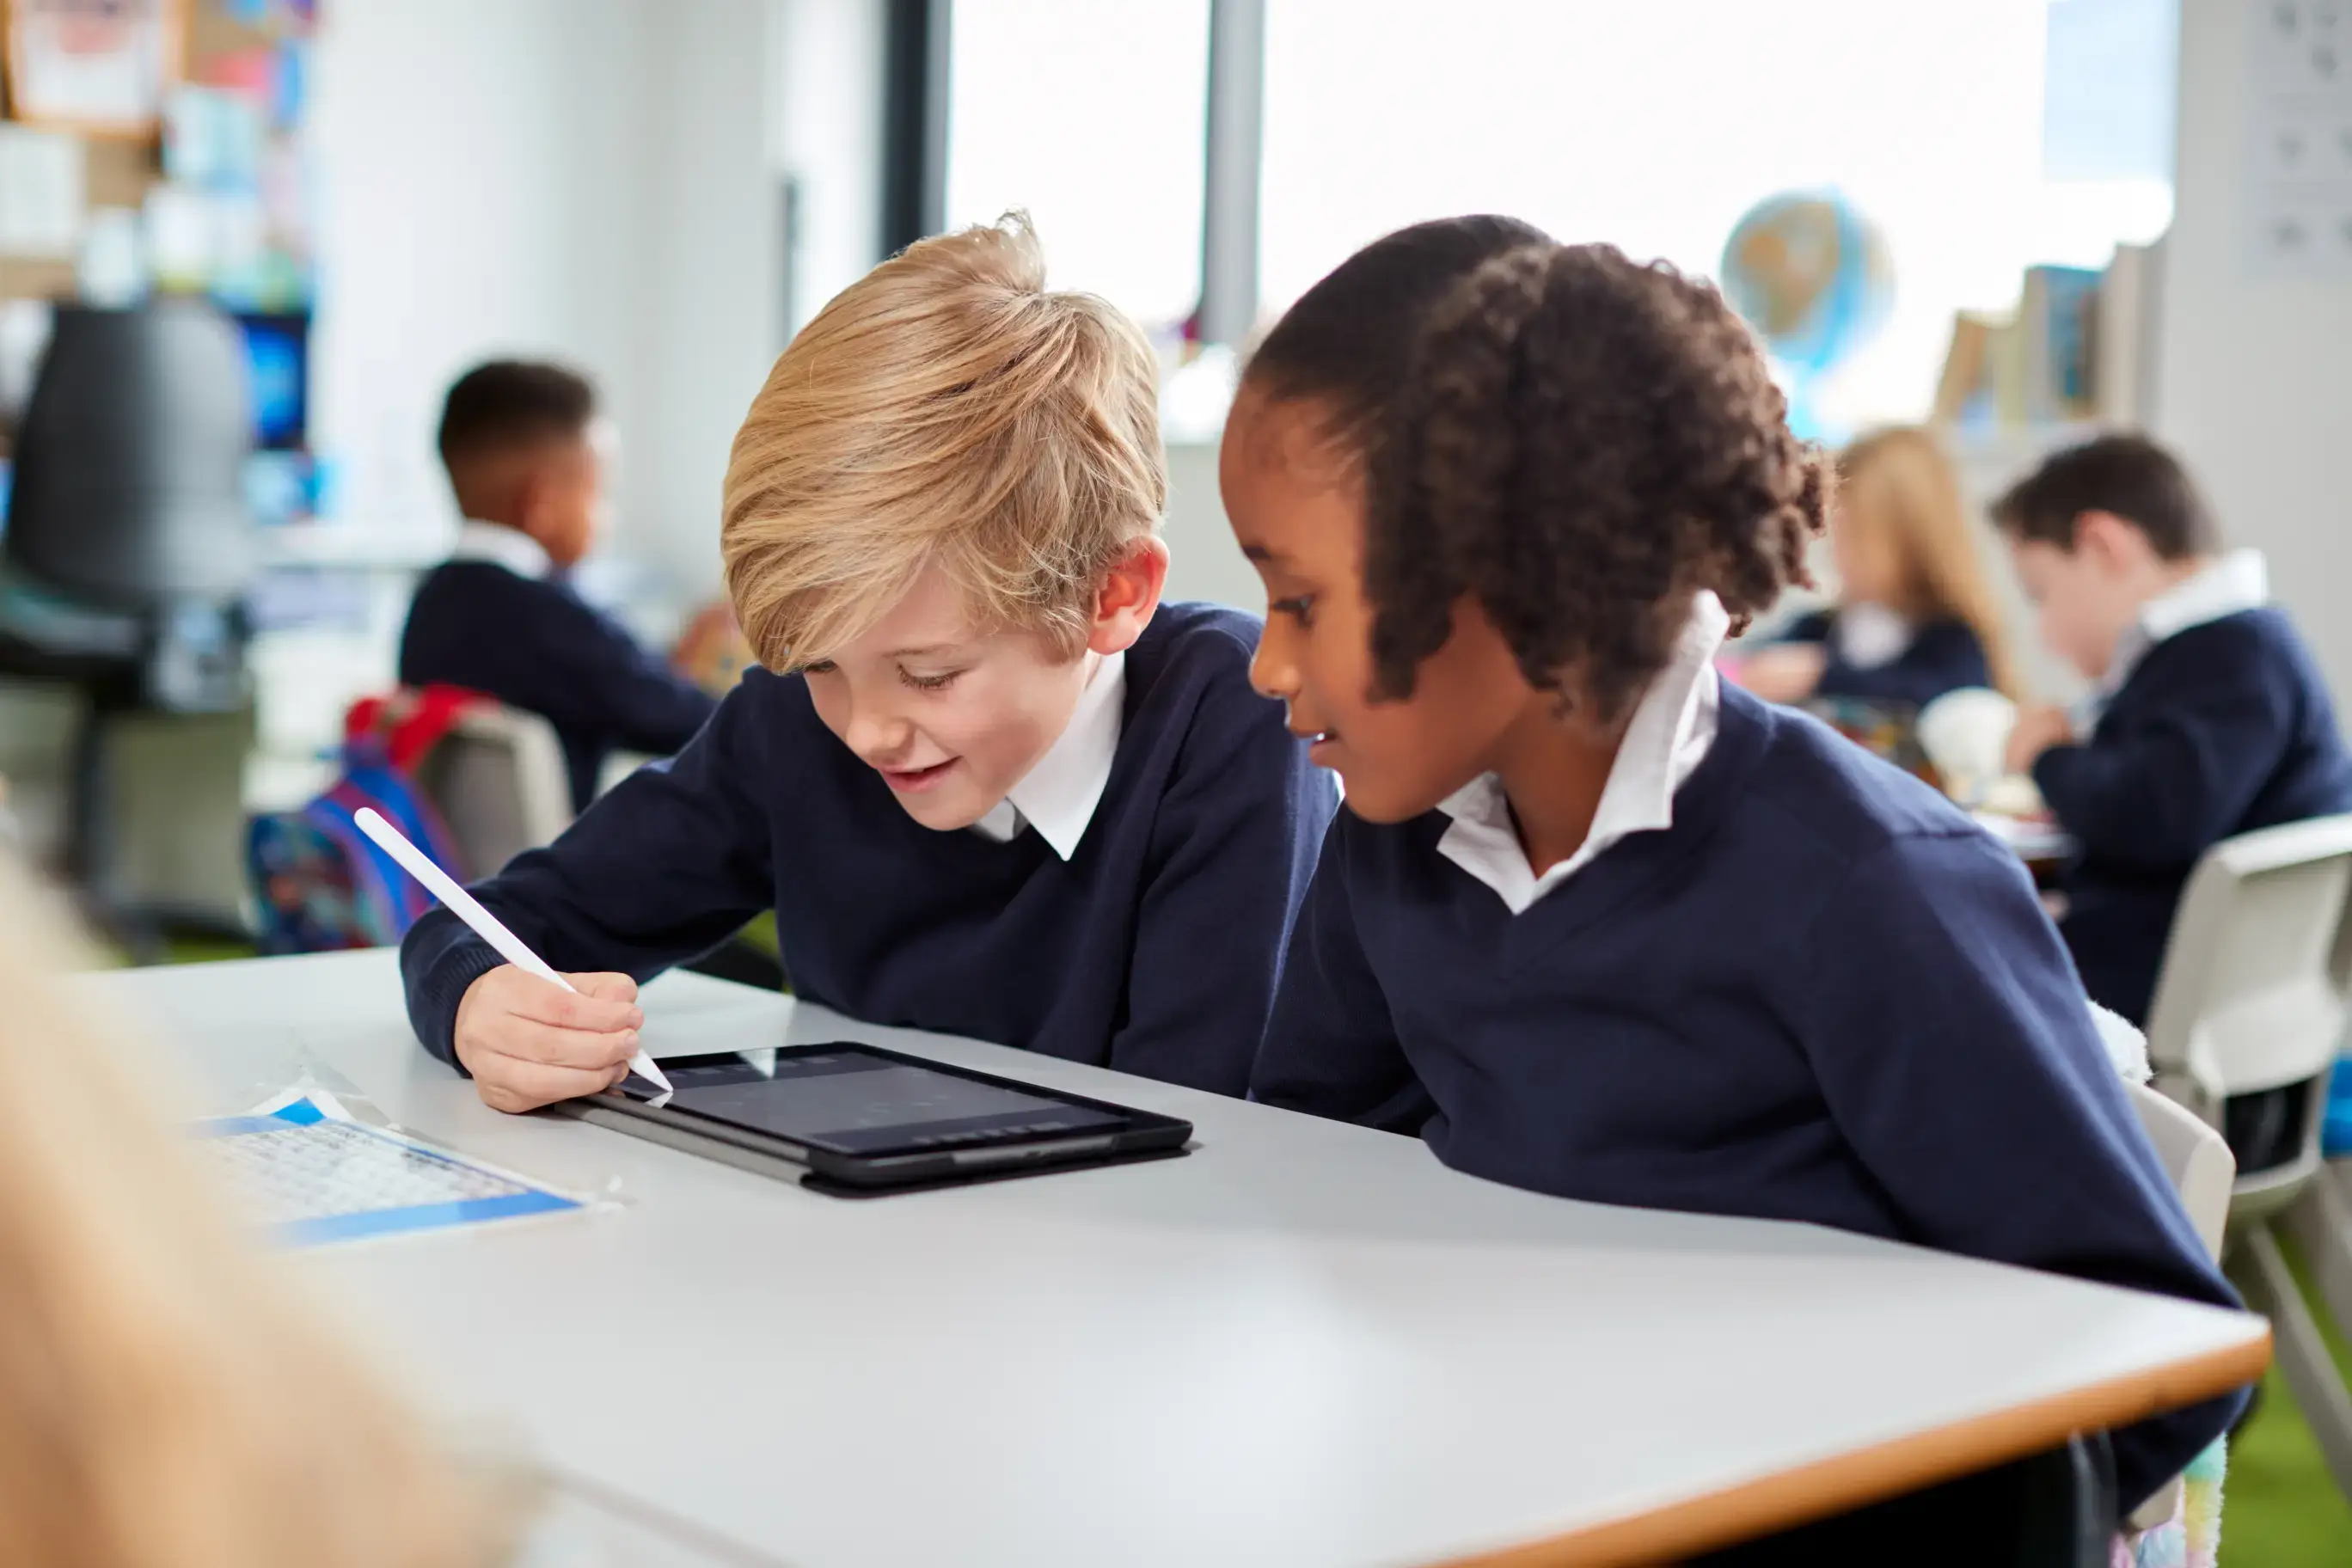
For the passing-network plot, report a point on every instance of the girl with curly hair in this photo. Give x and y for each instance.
(1592, 922)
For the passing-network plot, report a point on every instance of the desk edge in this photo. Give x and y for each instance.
(1850, 1480)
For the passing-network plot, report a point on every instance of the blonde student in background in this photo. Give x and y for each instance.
(1914, 616)
(165, 1399)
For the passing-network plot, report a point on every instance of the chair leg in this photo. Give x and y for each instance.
(2321, 1223)
(2301, 1351)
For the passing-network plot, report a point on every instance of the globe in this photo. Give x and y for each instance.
(1811, 275)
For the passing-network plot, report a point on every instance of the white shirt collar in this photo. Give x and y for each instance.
(2232, 584)
(1058, 795)
(1867, 635)
(1672, 728)
(2235, 583)
(512, 548)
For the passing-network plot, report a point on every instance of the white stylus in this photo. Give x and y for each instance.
(444, 886)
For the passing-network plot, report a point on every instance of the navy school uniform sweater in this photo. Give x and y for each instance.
(2219, 730)
(1822, 994)
(1942, 655)
(1153, 950)
(535, 644)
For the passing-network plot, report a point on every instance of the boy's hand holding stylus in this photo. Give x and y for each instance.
(528, 1042)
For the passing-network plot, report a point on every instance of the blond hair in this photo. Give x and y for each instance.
(1899, 480)
(164, 1397)
(944, 409)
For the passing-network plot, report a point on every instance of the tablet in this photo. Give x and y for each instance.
(860, 1118)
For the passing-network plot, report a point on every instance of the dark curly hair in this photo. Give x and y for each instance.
(1578, 441)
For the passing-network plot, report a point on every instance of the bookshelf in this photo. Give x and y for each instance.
(2079, 350)
(2076, 358)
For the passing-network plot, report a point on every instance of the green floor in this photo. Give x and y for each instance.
(761, 933)
(210, 952)
(2279, 1508)
(181, 951)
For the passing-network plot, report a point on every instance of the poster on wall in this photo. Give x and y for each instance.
(2298, 184)
(97, 66)
(42, 182)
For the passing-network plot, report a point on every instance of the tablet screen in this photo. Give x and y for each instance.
(845, 1099)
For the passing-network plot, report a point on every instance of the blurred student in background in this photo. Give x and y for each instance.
(2212, 717)
(524, 449)
(164, 1400)
(1914, 616)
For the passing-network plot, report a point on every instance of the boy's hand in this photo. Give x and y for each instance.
(2036, 731)
(529, 1044)
(1789, 672)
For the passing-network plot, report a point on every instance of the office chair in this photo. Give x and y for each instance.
(128, 548)
(499, 782)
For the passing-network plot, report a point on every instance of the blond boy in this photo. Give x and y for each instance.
(989, 784)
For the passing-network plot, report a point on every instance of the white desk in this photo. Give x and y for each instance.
(1304, 1344)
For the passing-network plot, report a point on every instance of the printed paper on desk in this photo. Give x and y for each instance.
(315, 1177)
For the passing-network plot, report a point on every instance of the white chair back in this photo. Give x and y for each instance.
(499, 781)
(2196, 1157)
(619, 765)
(2253, 989)
(2198, 1160)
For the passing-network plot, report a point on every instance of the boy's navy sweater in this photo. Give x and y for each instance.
(1822, 994)
(2219, 730)
(534, 644)
(1943, 656)
(1153, 950)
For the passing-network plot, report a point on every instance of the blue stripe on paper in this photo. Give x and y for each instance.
(420, 1216)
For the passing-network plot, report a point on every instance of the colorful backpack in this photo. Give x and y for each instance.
(322, 885)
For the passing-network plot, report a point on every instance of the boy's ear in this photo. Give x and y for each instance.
(2108, 539)
(1129, 597)
(533, 492)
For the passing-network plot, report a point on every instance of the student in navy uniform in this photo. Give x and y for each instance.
(1589, 923)
(991, 785)
(520, 443)
(2212, 719)
(1915, 616)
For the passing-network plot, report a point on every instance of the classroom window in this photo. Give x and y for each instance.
(1091, 116)
(1655, 127)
